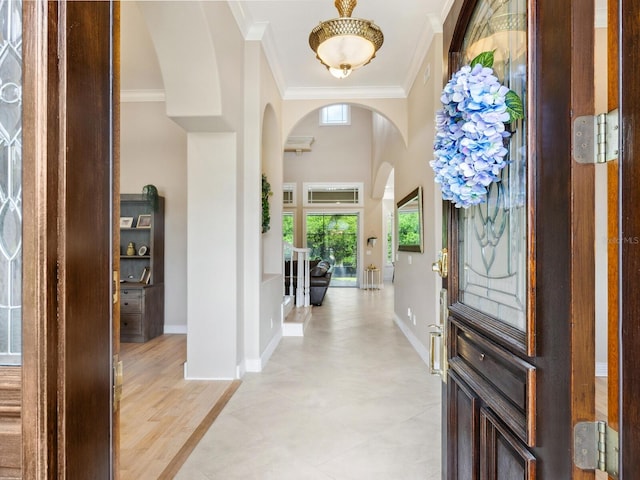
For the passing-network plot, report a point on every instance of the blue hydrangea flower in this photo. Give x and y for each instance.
(470, 135)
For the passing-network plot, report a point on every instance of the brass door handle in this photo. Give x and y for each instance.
(441, 266)
(433, 335)
(116, 286)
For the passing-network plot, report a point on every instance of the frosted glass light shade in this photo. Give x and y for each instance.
(346, 50)
(345, 44)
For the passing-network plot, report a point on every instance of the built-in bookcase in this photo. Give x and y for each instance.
(141, 268)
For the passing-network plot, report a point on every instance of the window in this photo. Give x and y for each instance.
(334, 237)
(389, 259)
(11, 184)
(289, 195)
(335, 115)
(333, 194)
(288, 227)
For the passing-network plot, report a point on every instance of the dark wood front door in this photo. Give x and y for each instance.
(519, 330)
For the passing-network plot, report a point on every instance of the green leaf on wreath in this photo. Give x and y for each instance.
(485, 59)
(514, 106)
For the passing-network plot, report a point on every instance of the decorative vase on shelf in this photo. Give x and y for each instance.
(131, 249)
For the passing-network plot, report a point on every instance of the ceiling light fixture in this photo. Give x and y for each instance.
(345, 44)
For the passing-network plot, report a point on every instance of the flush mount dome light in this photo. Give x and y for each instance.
(345, 44)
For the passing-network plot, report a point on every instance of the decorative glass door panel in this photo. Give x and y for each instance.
(10, 182)
(492, 236)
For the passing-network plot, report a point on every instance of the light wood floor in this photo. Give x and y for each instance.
(163, 416)
(601, 411)
(601, 398)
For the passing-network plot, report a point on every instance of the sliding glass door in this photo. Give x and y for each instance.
(334, 237)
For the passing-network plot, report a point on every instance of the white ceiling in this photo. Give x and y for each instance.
(408, 27)
(283, 27)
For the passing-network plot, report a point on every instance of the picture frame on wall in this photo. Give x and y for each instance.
(144, 221)
(126, 222)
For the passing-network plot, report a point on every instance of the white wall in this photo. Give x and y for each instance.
(153, 150)
(416, 286)
(212, 257)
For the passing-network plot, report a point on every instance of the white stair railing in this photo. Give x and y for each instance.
(301, 256)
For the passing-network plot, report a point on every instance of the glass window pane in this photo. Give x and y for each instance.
(335, 115)
(334, 238)
(10, 181)
(288, 232)
(493, 235)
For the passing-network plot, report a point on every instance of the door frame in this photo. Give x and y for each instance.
(629, 235)
(56, 88)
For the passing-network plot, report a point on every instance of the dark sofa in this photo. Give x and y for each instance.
(319, 279)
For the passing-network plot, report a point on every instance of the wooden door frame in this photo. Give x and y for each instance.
(49, 153)
(40, 246)
(629, 238)
(562, 229)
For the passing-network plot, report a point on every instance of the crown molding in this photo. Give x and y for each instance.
(431, 27)
(260, 32)
(243, 18)
(130, 96)
(347, 93)
(445, 11)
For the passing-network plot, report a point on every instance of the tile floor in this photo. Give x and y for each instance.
(351, 400)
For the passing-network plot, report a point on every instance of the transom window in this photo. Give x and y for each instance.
(339, 114)
(333, 194)
(289, 195)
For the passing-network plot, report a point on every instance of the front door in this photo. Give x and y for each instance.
(519, 328)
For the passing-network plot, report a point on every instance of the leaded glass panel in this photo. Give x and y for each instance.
(493, 236)
(10, 182)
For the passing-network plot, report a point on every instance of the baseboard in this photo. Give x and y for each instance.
(293, 329)
(241, 369)
(175, 329)
(255, 365)
(420, 349)
(186, 377)
(602, 369)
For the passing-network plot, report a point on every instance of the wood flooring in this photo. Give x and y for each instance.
(163, 416)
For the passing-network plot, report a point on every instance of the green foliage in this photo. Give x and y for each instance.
(287, 228)
(333, 238)
(485, 59)
(514, 106)
(408, 229)
(266, 215)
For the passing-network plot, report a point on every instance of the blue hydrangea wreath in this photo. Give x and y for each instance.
(469, 147)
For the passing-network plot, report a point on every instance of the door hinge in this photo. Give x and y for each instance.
(595, 138)
(117, 382)
(595, 446)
